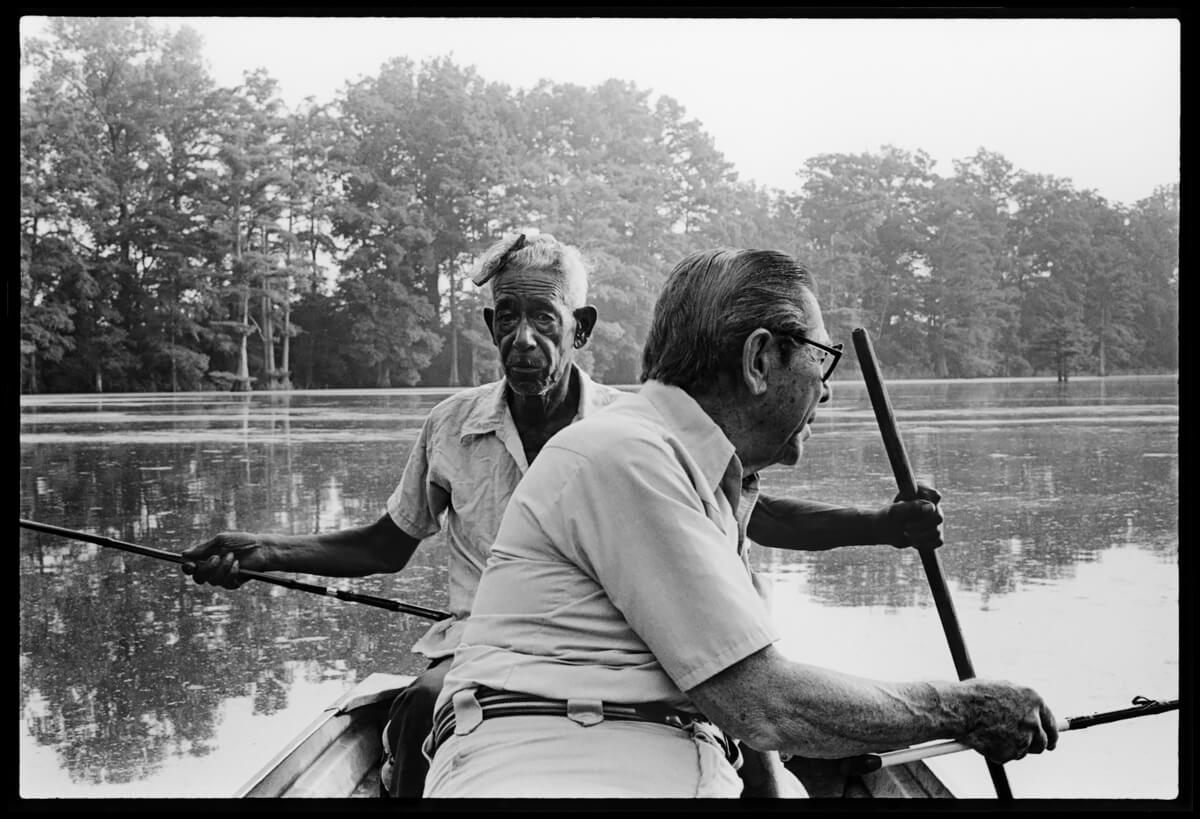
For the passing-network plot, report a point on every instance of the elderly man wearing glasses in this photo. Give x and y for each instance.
(618, 645)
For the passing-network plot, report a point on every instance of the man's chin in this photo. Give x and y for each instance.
(790, 453)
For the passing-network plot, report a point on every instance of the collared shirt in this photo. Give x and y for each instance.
(618, 574)
(462, 470)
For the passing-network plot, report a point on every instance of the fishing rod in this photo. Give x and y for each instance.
(907, 483)
(172, 557)
(867, 763)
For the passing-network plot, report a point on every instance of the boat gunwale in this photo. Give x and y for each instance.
(373, 690)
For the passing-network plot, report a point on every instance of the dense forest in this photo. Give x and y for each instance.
(176, 235)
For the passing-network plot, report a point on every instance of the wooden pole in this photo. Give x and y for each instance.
(907, 483)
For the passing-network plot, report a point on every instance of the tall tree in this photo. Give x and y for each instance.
(700, 181)
(427, 156)
(109, 78)
(1110, 296)
(247, 180)
(177, 237)
(49, 251)
(864, 214)
(597, 175)
(962, 301)
(1054, 256)
(308, 245)
(1154, 234)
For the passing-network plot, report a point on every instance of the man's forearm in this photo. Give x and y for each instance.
(378, 548)
(787, 523)
(837, 716)
(776, 704)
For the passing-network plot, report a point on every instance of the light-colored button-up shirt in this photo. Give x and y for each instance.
(618, 573)
(462, 470)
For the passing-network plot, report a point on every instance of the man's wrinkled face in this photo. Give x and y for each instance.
(533, 327)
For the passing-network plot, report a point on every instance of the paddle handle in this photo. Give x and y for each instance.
(902, 469)
(907, 483)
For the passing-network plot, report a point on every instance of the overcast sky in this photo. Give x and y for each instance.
(1096, 101)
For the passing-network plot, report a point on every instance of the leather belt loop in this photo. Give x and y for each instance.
(467, 711)
(585, 712)
(469, 707)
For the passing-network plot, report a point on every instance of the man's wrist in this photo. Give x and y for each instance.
(881, 526)
(269, 553)
(951, 706)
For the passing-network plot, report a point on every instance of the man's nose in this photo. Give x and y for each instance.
(524, 337)
(826, 392)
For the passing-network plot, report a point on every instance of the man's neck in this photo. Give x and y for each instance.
(728, 413)
(538, 417)
(533, 410)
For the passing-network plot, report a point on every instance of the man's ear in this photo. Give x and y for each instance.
(585, 322)
(756, 364)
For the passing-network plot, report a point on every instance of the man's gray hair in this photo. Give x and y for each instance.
(518, 252)
(712, 301)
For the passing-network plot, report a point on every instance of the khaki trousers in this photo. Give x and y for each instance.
(551, 756)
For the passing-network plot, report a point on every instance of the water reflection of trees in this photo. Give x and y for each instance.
(130, 660)
(1024, 505)
(139, 663)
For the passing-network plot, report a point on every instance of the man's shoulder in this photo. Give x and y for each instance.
(625, 419)
(463, 402)
(597, 395)
(606, 393)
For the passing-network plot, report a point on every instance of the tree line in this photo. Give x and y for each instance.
(177, 235)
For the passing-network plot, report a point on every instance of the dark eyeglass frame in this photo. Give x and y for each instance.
(835, 351)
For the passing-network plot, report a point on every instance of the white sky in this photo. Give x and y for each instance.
(1096, 101)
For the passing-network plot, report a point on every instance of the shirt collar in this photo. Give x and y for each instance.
(492, 407)
(704, 441)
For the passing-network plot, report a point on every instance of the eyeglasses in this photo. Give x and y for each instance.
(830, 362)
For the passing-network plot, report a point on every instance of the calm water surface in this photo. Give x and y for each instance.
(1062, 553)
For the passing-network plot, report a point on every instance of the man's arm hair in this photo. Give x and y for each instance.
(772, 703)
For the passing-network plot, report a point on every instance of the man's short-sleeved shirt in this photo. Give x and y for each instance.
(461, 472)
(617, 573)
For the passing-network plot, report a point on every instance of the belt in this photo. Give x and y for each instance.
(494, 704)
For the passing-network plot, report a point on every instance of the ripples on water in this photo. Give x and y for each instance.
(1062, 549)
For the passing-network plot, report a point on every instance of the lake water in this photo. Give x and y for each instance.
(1062, 557)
